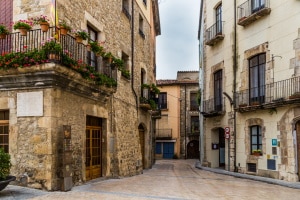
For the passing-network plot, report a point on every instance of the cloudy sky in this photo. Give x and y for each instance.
(177, 46)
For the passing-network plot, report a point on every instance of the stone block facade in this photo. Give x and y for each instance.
(36, 143)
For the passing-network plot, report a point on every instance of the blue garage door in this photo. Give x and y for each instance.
(168, 150)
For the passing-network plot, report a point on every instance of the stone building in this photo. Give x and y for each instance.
(77, 117)
(177, 131)
(250, 65)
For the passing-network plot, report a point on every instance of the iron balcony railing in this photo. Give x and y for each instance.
(215, 33)
(164, 133)
(251, 7)
(14, 42)
(149, 99)
(271, 94)
(213, 107)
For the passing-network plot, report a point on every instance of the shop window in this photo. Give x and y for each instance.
(4, 130)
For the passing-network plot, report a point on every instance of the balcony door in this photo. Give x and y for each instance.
(219, 20)
(257, 78)
(91, 56)
(257, 5)
(218, 90)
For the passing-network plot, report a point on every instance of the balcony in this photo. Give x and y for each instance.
(148, 99)
(25, 64)
(213, 107)
(269, 96)
(163, 134)
(214, 34)
(248, 13)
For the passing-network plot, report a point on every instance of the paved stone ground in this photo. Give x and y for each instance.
(170, 180)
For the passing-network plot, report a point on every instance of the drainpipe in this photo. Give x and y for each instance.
(132, 56)
(235, 66)
(185, 147)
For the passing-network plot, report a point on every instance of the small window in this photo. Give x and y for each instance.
(219, 19)
(162, 100)
(195, 124)
(145, 2)
(125, 8)
(4, 130)
(125, 59)
(193, 101)
(141, 27)
(255, 138)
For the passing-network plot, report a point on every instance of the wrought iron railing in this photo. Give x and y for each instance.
(215, 30)
(149, 97)
(273, 93)
(164, 133)
(214, 105)
(250, 7)
(14, 42)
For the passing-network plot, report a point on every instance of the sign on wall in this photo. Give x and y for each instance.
(30, 104)
(227, 132)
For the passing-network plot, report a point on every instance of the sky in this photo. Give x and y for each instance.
(177, 46)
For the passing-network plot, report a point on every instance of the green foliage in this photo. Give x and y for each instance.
(51, 46)
(152, 87)
(4, 164)
(153, 105)
(27, 24)
(3, 29)
(64, 24)
(96, 48)
(82, 33)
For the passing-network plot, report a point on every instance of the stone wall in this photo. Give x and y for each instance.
(38, 167)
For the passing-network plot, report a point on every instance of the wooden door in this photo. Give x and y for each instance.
(142, 144)
(298, 147)
(93, 152)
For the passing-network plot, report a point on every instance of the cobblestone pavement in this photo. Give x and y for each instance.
(169, 179)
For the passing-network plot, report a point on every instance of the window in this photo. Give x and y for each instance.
(195, 124)
(255, 138)
(125, 8)
(218, 90)
(194, 101)
(219, 19)
(4, 130)
(257, 78)
(257, 5)
(91, 56)
(162, 100)
(125, 59)
(141, 27)
(145, 2)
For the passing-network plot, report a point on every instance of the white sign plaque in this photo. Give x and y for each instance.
(30, 104)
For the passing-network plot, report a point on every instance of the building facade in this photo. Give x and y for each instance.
(77, 117)
(177, 131)
(250, 65)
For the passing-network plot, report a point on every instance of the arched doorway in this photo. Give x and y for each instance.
(142, 143)
(193, 150)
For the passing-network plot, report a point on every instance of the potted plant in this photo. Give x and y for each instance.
(256, 152)
(96, 48)
(52, 48)
(43, 21)
(64, 27)
(4, 169)
(3, 31)
(23, 26)
(81, 35)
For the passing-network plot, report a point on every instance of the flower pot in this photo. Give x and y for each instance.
(23, 31)
(4, 183)
(53, 56)
(78, 39)
(2, 36)
(44, 26)
(88, 47)
(63, 31)
(256, 154)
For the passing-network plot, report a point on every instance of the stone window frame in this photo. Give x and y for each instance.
(126, 8)
(254, 122)
(259, 49)
(214, 69)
